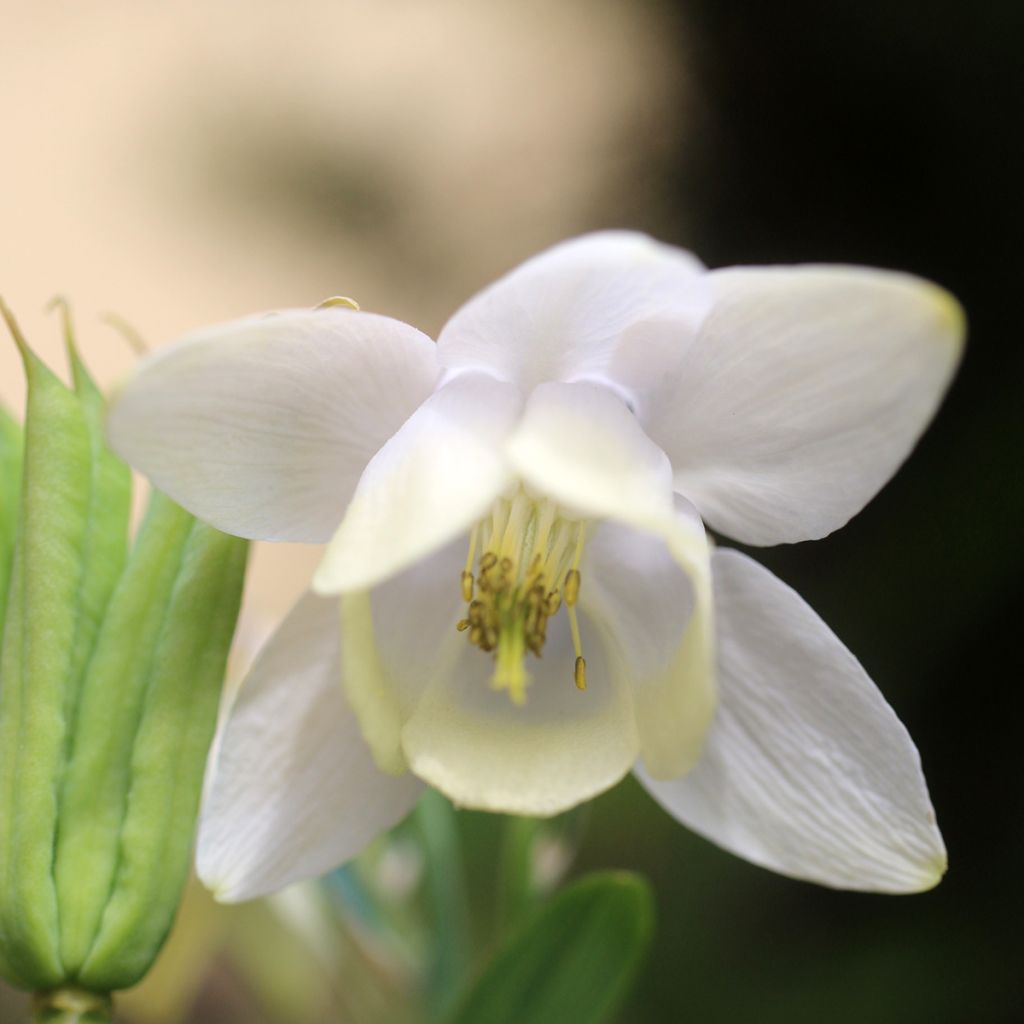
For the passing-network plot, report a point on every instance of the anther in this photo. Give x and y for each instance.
(467, 586)
(488, 561)
(580, 673)
(462, 625)
(572, 586)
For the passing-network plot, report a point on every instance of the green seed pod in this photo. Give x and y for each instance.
(38, 669)
(10, 488)
(110, 673)
(147, 717)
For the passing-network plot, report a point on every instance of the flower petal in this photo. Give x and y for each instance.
(437, 475)
(654, 600)
(580, 445)
(262, 427)
(424, 697)
(558, 749)
(395, 641)
(292, 790)
(615, 304)
(807, 769)
(805, 390)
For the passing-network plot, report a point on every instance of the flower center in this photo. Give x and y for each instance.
(528, 568)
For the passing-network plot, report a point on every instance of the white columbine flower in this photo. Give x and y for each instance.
(528, 604)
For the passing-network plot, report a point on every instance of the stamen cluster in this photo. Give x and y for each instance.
(528, 548)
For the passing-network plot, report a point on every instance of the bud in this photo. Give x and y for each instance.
(111, 664)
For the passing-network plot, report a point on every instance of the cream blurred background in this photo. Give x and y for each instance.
(179, 164)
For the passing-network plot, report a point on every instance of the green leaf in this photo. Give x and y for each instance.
(573, 961)
(11, 443)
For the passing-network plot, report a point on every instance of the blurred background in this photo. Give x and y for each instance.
(178, 164)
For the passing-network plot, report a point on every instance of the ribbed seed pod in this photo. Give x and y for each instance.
(11, 443)
(110, 674)
(38, 665)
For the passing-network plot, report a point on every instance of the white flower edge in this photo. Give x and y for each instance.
(292, 789)
(806, 770)
(262, 427)
(803, 393)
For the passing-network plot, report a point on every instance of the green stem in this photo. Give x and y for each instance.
(72, 1006)
(517, 892)
(446, 893)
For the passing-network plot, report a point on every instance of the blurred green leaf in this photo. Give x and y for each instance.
(574, 961)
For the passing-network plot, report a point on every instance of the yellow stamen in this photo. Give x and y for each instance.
(572, 586)
(574, 627)
(580, 673)
(528, 549)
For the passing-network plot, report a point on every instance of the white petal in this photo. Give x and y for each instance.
(580, 445)
(294, 790)
(262, 427)
(804, 392)
(558, 749)
(395, 639)
(807, 769)
(654, 600)
(437, 475)
(423, 694)
(615, 304)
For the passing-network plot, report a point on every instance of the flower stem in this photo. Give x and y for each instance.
(72, 1006)
(516, 890)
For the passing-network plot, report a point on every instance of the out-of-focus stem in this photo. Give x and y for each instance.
(72, 1006)
(446, 891)
(517, 891)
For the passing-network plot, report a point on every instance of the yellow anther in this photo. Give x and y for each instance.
(580, 673)
(339, 301)
(528, 567)
(572, 586)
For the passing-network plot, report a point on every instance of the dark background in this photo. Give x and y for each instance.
(888, 135)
